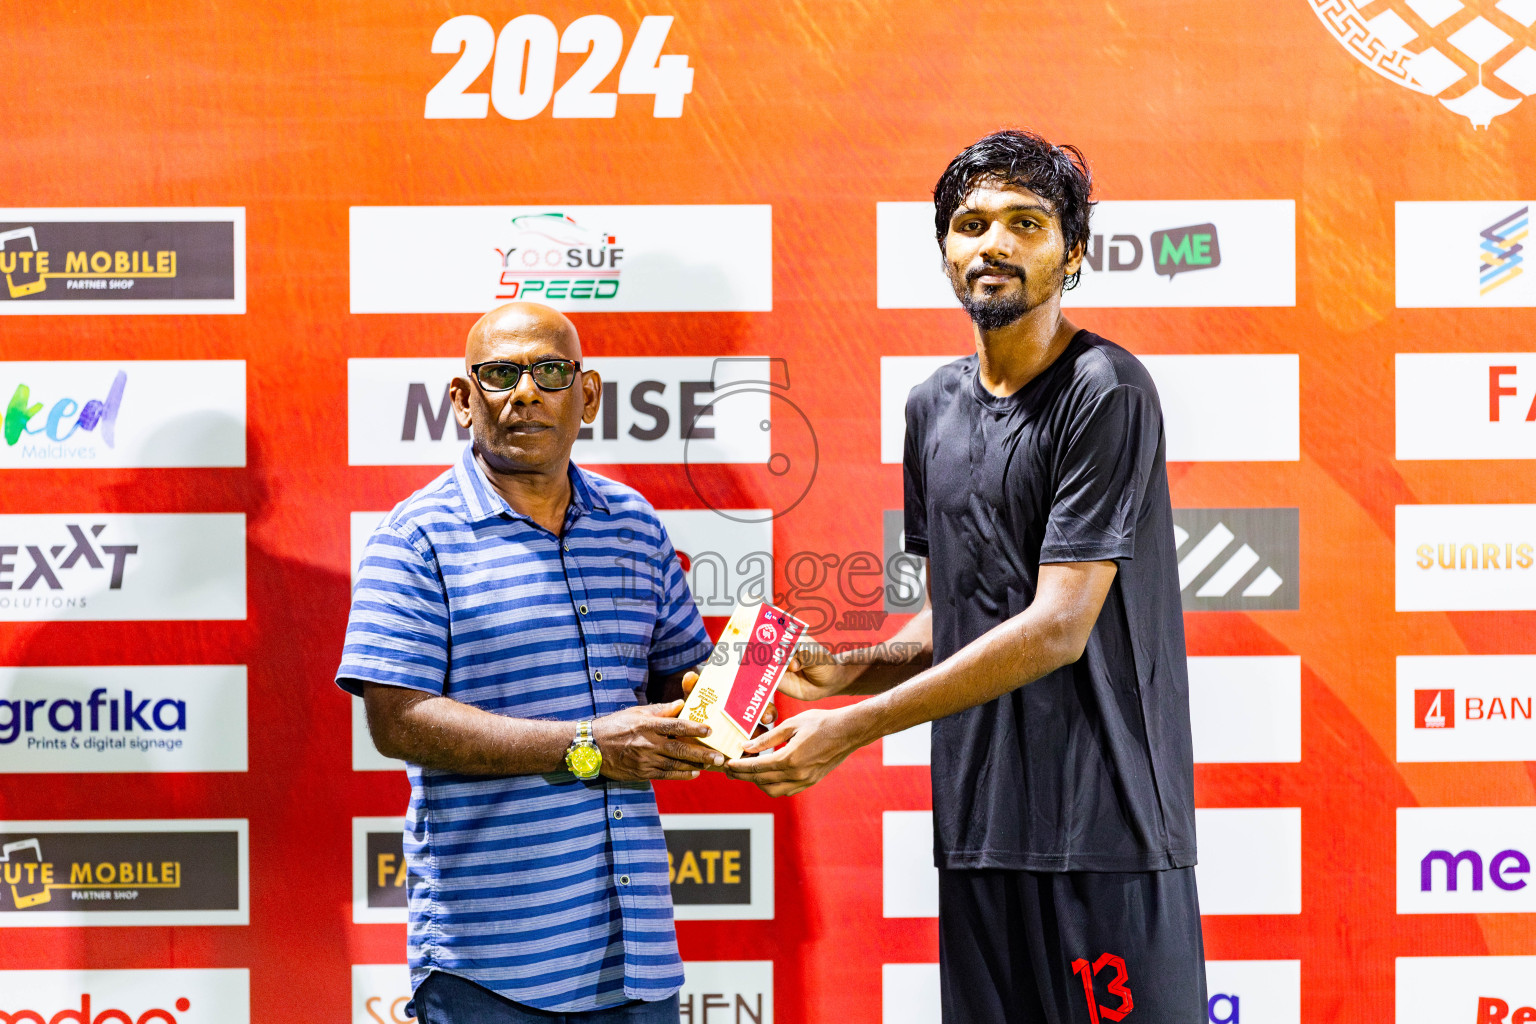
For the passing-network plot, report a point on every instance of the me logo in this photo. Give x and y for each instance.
(1183, 249)
(1475, 57)
(1434, 709)
(1465, 860)
(1238, 559)
(1499, 259)
(552, 257)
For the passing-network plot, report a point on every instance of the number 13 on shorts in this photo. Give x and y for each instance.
(1117, 985)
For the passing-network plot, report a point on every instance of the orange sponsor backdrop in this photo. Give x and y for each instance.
(297, 112)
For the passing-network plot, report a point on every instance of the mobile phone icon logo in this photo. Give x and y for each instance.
(26, 288)
(26, 892)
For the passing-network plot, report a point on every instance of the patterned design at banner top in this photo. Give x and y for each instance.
(1475, 57)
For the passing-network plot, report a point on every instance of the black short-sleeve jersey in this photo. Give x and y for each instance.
(1089, 768)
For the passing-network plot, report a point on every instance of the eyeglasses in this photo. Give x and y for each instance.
(548, 374)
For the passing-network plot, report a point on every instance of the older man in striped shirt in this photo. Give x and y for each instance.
(508, 623)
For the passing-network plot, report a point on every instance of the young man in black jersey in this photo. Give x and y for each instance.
(1050, 655)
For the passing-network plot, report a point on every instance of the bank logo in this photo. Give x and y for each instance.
(551, 257)
(122, 260)
(1473, 57)
(654, 410)
(1434, 709)
(1466, 405)
(1470, 989)
(467, 259)
(1466, 557)
(174, 996)
(144, 413)
(83, 873)
(121, 719)
(1465, 860)
(122, 567)
(1216, 408)
(1466, 708)
(1499, 257)
(1140, 253)
(1238, 559)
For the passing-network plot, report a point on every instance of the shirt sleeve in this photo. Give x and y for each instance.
(679, 640)
(1109, 453)
(397, 632)
(914, 488)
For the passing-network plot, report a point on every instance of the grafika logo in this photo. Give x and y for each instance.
(1508, 555)
(88, 1014)
(1499, 256)
(59, 419)
(101, 722)
(550, 256)
(1474, 56)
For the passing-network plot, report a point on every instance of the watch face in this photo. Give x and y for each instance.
(584, 761)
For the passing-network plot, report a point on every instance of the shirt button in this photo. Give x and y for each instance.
(623, 879)
(618, 813)
(583, 609)
(566, 546)
(598, 675)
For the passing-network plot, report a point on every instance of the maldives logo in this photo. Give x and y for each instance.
(551, 256)
(1474, 56)
(1499, 256)
(63, 416)
(1434, 709)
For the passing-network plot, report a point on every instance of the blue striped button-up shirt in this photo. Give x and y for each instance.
(548, 890)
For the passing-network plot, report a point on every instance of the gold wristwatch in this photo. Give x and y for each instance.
(582, 757)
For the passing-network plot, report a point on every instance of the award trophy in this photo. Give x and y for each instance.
(737, 685)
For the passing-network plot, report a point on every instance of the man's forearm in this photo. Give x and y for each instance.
(440, 732)
(872, 670)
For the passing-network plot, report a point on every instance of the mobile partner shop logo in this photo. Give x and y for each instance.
(61, 873)
(156, 260)
(1474, 57)
(1499, 256)
(552, 256)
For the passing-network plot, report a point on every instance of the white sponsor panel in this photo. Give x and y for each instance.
(115, 566)
(169, 996)
(727, 992)
(1201, 252)
(1464, 254)
(1466, 989)
(1216, 408)
(909, 994)
(380, 994)
(113, 873)
(1466, 558)
(910, 880)
(1466, 708)
(123, 718)
(1466, 405)
(760, 871)
(619, 259)
(727, 559)
(84, 260)
(1250, 860)
(1241, 992)
(1465, 860)
(1253, 991)
(399, 412)
(387, 870)
(100, 414)
(1245, 710)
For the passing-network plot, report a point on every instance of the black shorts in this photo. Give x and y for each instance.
(1078, 947)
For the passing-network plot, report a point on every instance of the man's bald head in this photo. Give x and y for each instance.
(521, 325)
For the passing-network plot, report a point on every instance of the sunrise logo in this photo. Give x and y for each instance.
(85, 1015)
(1499, 256)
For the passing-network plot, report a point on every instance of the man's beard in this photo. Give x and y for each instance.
(991, 313)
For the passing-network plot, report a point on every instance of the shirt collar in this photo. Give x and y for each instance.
(482, 501)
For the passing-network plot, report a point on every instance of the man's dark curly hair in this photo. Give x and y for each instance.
(1057, 174)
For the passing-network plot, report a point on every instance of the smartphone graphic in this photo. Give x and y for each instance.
(26, 287)
(26, 894)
